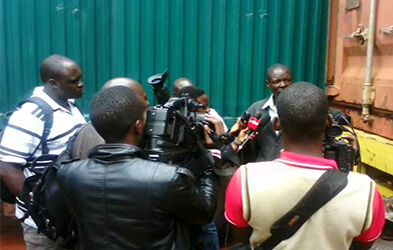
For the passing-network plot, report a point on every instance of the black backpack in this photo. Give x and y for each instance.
(47, 206)
(6, 195)
(45, 202)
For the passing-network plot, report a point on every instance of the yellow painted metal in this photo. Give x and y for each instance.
(376, 151)
(384, 190)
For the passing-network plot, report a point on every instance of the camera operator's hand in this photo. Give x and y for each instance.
(216, 122)
(208, 140)
(355, 146)
(351, 140)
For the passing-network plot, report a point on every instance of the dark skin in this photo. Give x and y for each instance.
(129, 83)
(278, 79)
(12, 176)
(66, 86)
(135, 133)
(179, 84)
(311, 148)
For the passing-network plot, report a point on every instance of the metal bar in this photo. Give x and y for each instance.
(367, 99)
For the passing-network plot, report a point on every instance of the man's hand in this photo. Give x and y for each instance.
(237, 127)
(13, 177)
(351, 140)
(208, 140)
(239, 140)
(216, 122)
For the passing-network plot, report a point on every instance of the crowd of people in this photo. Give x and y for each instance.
(246, 182)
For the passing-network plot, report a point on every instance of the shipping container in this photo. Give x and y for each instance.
(360, 78)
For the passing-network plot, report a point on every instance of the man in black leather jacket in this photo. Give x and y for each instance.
(122, 201)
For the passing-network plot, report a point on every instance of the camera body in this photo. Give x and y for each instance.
(337, 149)
(174, 131)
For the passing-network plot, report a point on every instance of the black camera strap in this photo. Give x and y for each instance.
(325, 188)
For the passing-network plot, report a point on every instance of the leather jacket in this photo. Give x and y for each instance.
(122, 201)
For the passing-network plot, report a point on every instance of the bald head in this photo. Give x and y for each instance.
(181, 83)
(55, 67)
(129, 83)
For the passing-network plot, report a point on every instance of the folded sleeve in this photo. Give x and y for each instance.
(378, 220)
(233, 202)
(22, 135)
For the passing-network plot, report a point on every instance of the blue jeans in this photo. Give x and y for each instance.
(210, 237)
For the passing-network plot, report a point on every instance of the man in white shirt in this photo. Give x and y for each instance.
(20, 142)
(268, 144)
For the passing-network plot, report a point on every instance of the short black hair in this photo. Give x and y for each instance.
(274, 67)
(302, 109)
(52, 67)
(114, 111)
(191, 92)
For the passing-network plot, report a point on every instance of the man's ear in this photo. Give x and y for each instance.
(328, 122)
(53, 83)
(276, 124)
(139, 126)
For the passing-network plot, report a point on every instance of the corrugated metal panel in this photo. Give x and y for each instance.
(224, 46)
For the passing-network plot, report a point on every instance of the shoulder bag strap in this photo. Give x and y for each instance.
(326, 187)
(48, 119)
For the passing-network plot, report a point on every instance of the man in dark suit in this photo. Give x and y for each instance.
(268, 143)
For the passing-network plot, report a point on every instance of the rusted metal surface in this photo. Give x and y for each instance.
(348, 58)
(332, 38)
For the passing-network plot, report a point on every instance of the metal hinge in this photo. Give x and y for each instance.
(361, 34)
(387, 30)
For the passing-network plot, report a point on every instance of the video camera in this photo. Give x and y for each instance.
(337, 149)
(174, 131)
(157, 81)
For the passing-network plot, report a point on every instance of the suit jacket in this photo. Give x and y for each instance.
(267, 145)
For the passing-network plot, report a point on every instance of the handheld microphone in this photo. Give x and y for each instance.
(245, 117)
(253, 130)
(254, 122)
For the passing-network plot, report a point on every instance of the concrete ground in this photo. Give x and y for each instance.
(11, 236)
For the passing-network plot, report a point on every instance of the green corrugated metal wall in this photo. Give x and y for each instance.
(224, 46)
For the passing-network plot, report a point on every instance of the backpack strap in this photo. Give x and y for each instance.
(48, 119)
(325, 188)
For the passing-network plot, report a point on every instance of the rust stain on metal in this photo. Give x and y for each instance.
(347, 65)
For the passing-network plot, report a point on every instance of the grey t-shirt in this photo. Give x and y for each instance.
(86, 139)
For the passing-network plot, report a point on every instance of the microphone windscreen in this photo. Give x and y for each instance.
(253, 123)
(245, 117)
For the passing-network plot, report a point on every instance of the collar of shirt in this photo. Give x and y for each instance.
(39, 92)
(270, 104)
(306, 161)
(271, 108)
